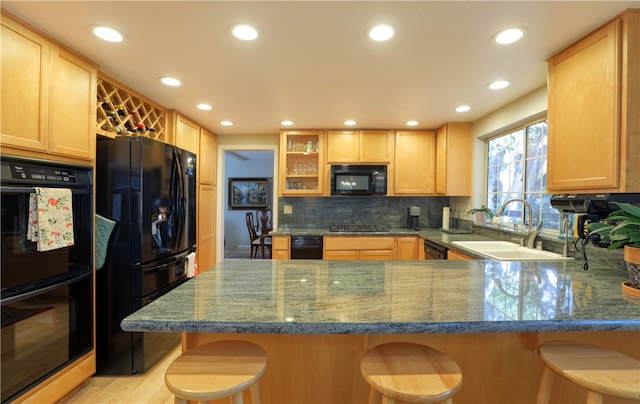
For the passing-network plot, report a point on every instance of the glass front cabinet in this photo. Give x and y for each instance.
(301, 162)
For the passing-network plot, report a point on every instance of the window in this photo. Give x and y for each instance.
(517, 169)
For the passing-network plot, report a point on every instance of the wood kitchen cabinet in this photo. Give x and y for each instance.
(186, 133)
(359, 146)
(207, 158)
(457, 255)
(207, 197)
(414, 162)
(594, 111)
(301, 162)
(407, 248)
(48, 95)
(341, 248)
(453, 165)
(280, 247)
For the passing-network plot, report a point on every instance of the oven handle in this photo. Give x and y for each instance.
(30, 190)
(39, 291)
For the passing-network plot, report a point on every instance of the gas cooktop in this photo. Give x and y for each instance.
(357, 228)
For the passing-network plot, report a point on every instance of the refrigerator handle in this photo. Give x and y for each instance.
(179, 197)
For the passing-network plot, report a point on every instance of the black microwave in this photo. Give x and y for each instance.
(353, 179)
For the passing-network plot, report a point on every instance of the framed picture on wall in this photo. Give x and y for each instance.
(249, 193)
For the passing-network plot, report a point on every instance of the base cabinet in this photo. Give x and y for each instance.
(280, 247)
(382, 248)
(498, 368)
(456, 255)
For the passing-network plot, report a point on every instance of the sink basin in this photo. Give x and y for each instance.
(507, 251)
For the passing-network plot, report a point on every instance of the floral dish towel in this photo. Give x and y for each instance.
(50, 218)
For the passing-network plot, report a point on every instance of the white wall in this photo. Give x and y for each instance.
(524, 109)
(235, 229)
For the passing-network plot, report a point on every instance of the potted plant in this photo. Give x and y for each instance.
(481, 214)
(622, 229)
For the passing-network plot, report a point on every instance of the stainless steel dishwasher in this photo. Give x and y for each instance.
(306, 247)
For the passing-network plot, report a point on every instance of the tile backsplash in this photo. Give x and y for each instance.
(358, 210)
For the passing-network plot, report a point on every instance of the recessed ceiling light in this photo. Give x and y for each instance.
(509, 35)
(170, 81)
(106, 33)
(381, 32)
(412, 123)
(350, 122)
(244, 32)
(226, 123)
(463, 108)
(286, 123)
(499, 84)
(204, 107)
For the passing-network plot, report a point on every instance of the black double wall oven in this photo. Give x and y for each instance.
(47, 296)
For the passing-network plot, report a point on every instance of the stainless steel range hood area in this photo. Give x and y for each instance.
(595, 204)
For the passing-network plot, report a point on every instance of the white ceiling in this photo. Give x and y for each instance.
(313, 63)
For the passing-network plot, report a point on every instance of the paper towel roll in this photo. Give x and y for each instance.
(191, 265)
(446, 217)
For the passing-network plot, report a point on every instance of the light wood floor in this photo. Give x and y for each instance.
(147, 387)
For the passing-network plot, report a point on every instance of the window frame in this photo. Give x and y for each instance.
(524, 192)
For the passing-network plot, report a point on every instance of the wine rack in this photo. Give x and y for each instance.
(120, 112)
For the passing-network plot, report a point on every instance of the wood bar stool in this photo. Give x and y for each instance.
(601, 371)
(410, 372)
(216, 370)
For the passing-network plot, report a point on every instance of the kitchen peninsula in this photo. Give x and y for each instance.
(316, 318)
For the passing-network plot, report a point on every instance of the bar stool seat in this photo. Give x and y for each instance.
(410, 372)
(216, 370)
(601, 371)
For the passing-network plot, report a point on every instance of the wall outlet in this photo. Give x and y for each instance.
(288, 209)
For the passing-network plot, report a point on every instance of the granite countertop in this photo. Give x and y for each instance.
(326, 231)
(386, 297)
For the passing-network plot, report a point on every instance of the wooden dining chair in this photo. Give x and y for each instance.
(264, 220)
(254, 239)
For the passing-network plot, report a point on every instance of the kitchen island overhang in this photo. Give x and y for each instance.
(315, 319)
(393, 297)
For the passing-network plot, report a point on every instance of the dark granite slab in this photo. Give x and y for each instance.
(386, 297)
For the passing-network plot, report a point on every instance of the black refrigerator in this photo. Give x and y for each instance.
(148, 188)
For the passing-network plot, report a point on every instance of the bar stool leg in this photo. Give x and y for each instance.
(388, 400)
(374, 397)
(255, 393)
(546, 383)
(593, 397)
(237, 398)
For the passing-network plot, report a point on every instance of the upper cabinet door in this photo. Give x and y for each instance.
(376, 146)
(588, 147)
(72, 116)
(453, 162)
(343, 146)
(360, 146)
(186, 133)
(48, 95)
(25, 63)
(415, 162)
(301, 162)
(207, 158)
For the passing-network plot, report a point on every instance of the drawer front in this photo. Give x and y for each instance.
(358, 243)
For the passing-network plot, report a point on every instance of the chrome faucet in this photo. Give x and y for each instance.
(531, 233)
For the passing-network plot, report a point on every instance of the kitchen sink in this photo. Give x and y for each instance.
(507, 251)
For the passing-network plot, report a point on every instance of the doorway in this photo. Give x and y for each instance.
(242, 162)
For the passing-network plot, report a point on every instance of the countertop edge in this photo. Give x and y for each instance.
(380, 328)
